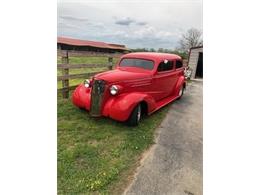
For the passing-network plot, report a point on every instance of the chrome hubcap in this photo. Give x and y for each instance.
(139, 113)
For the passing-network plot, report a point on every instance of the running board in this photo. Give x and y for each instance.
(164, 102)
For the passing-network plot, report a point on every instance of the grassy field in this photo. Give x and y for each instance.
(84, 60)
(98, 155)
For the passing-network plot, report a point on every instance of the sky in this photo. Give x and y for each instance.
(136, 24)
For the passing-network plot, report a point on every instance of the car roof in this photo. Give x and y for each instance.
(152, 56)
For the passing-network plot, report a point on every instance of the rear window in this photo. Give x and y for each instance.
(178, 64)
(165, 66)
(139, 63)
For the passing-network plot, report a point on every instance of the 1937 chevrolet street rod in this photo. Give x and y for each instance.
(140, 84)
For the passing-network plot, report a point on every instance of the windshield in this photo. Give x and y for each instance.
(139, 63)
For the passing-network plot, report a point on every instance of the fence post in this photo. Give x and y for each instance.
(65, 72)
(110, 63)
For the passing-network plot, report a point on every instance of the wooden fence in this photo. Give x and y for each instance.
(65, 66)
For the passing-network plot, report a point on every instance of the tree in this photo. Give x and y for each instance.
(192, 38)
(161, 50)
(140, 50)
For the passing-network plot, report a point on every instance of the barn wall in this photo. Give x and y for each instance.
(87, 48)
(193, 59)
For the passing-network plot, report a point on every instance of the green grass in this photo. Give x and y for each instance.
(97, 155)
(83, 60)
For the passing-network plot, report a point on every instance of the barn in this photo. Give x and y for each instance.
(195, 62)
(65, 43)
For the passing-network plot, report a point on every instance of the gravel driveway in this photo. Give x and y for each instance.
(174, 164)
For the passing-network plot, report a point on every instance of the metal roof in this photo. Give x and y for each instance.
(196, 47)
(152, 55)
(97, 44)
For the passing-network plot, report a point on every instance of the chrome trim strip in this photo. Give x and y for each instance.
(97, 95)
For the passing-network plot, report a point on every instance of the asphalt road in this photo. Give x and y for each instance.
(173, 166)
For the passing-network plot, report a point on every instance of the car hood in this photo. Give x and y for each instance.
(118, 75)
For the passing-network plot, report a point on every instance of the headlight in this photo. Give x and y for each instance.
(113, 90)
(87, 83)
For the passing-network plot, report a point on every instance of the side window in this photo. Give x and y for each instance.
(165, 65)
(178, 64)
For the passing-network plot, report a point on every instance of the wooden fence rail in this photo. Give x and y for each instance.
(73, 53)
(77, 76)
(76, 66)
(65, 66)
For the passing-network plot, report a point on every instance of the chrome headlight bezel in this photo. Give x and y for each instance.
(113, 90)
(87, 83)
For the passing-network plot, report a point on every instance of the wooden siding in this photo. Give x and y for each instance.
(193, 60)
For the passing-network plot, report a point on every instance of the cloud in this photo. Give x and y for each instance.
(148, 37)
(151, 31)
(96, 24)
(141, 23)
(125, 21)
(67, 25)
(73, 18)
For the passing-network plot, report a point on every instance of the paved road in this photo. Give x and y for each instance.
(173, 166)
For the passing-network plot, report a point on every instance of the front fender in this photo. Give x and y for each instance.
(81, 97)
(120, 107)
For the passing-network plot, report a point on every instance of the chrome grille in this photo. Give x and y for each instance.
(97, 94)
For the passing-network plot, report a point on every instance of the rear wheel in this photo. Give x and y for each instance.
(135, 116)
(181, 92)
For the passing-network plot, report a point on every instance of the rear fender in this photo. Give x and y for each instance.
(180, 82)
(120, 107)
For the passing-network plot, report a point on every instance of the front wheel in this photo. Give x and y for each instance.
(135, 116)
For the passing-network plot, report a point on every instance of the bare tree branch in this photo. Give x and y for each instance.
(192, 38)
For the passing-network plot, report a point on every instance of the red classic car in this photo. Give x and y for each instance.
(140, 84)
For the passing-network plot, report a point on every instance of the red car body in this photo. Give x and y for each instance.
(153, 86)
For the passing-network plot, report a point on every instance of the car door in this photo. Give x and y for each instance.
(179, 71)
(164, 79)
